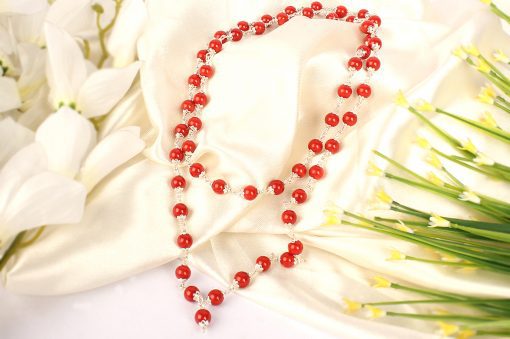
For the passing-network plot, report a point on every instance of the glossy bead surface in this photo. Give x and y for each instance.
(250, 192)
(180, 209)
(350, 18)
(316, 6)
(332, 119)
(282, 18)
(189, 292)
(366, 26)
(362, 13)
(376, 19)
(308, 12)
(374, 43)
(216, 297)
(373, 62)
(341, 11)
(243, 25)
(316, 172)
(364, 90)
(266, 18)
(277, 185)
(206, 71)
(365, 50)
(299, 170)
(184, 240)
(178, 182)
(221, 35)
(355, 63)
(189, 146)
(237, 34)
(344, 91)
(188, 105)
(242, 278)
(315, 145)
(295, 247)
(202, 54)
(176, 154)
(218, 186)
(349, 118)
(196, 169)
(195, 122)
(259, 27)
(287, 260)
(299, 195)
(290, 10)
(264, 262)
(195, 80)
(216, 45)
(181, 129)
(289, 217)
(182, 272)
(332, 16)
(202, 315)
(332, 146)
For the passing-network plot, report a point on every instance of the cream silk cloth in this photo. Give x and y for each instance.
(268, 97)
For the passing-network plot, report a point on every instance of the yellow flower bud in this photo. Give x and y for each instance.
(487, 2)
(458, 52)
(373, 170)
(466, 334)
(488, 120)
(423, 143)
(433, 160)
(447, 329)
(351, 306)
(424, 106)
(500, 56)
(401, 100)
(483, 66)
(433, 178)
(437, 221)
(383, 196)
(396, 255)
(468, 145)
(375, 312)
(381, 282)
(333, 215)
(403, 227)
(469, 196)
(471, 50)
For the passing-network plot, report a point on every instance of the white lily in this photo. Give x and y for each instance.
(71, 85)
(9, 95)
(22, 6)
(13, 137)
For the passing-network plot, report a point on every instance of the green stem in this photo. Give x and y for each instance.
(440, 317)
(438, 301)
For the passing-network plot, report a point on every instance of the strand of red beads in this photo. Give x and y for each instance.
(312, 166)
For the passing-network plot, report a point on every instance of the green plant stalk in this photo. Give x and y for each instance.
(440, 317)
(103, 31)
(495, 69)
(440, 301)
(440, 262)
(495, 9)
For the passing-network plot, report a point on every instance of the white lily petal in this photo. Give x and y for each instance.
(128, 27)
(46, 198)
(36, 109)
(27, 28)
(110, 153)
(22, 6)
(9, 95)
(104, 88)
(67, 138)
(32, 77)
(66, 69)
(13, 137)
(26, 163)
(74, 16)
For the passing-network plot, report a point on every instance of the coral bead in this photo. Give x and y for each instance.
(218, 186)
(189, 146)
(216, 45)
(366, 26)
(216, 297)
(202, 315)
(184, 240)
(202, 54)
(195, 123)
(200, 99)
(189, 292)
(308, 12)
(299, 170)
(299, 195)
(250, 192)
(188, 105)
(316, 172)
(344, 91)
(350, 18)
(332, 146)
(243, 25)
(266, 18)
(295, 247)
(195, 80)
(373, 63)
(315, 145)
(355, 63)
(176, 154)
(178, 182)
(282, 18)
(316, 6)
(374, 43)
(220, 35)
(362, 13)
(182, 272)
(289, 217)
(242, 278)
(206, 71)
(180, 209)
(287, 260)
(290, 10)
(181, 129)
(375, 19)
(264, 262)
(277, 185)
(364, 90)
(341, 11)
(196, 169)
(332, 16)
(332, 119)
(365, 50)
(349, 118)
(237, 34)
(259, 27)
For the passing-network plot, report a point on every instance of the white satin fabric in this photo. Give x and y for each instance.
(268, 98)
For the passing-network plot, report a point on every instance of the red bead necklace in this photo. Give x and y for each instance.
(319, 149)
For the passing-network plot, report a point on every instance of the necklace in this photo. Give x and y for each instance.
(319, 149)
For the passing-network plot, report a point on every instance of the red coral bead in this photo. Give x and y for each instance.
(243, 25)
(308, 12)
(221, 35)
(341, 11)
(374, 43)
(287, 260)
(237, 34)
(289, 217)
(376, 19)
(316, 6)
(349, 118)
(332, 119)
(250, 192)
(216, 297)
(315, 145)
(373, 63)
(242, 278)
(299, 170)
(264, 262)
(316, 172)
(332, 146)
(189, 146)
(365, 50)
(290, 10)
(200, 99)
(260, 28)
(188, 105)
(202, 54)
(189, 292)
(277, 185)
(196, 169)
(350, 18)
(218, 186)
(178, 182)
(206, 71)
(344, 91)
(364, 90)
(182, 272)
(202, 315)
(195, 122)
(355, 63)
(180, 209)
(332, 16)
(176, 154)
(362, 13)
(299, 195)
(266, 18)
(195, 80)
(366, 26)
(181, 129)
(282, 18)
(295, 247)
(216, 45)
(184, 240)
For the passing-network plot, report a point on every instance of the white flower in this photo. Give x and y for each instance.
(13, 137)
(438, 221)
(9, 95)
(22, 6)
(469, 196)
(71, 85)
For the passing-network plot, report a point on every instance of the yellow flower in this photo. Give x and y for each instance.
(471, 50)
(375, 312)
(447, 329)
(500, 56)
(383, 196)
(402, 227)
(488, 90)
(381, 282)
(458, 52)
(401, 100)
(466, 334)
(333, 215)
(437, 221)
(433, 159)
(433, 178)
(396, 255)
(424, 106)
(483, 66)
(423, 143)
(351, 306)
(488, 120)
(469, 196)
(468, 145)
(487, 2)
(373, 170)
